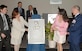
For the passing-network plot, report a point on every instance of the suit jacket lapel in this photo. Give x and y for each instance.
(1, 22)
(77, 16)
(1, 18)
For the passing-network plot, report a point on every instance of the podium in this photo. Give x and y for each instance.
(36, 35)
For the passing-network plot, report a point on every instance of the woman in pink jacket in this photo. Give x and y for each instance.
(59, 27)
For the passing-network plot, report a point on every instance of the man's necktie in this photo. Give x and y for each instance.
(31, 13)
(20, 10)
(5, 23)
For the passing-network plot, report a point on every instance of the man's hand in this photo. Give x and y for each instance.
(3, 35)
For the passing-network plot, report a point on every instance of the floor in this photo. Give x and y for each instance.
(24, 49)
(25, 42)
(24, 45)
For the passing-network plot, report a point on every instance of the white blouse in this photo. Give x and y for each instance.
(18, 27)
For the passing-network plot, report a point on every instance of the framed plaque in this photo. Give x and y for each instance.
(36, 31)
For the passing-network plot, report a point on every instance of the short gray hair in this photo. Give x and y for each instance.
(77, 7)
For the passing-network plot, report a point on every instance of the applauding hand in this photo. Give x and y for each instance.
(26, 30)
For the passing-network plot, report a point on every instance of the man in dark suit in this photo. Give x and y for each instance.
(20, 9)
(4, 28)
(30, 12)
(75, 30)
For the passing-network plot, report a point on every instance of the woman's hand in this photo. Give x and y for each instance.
(51, 30)
(26, 30)
(68, 33)
(55, 29)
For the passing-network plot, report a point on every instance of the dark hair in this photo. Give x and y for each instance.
(19, 2)
(64, 14)
(3, 6)
(30, 6)
(14, 13)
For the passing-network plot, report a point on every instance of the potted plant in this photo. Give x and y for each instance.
(50, 36)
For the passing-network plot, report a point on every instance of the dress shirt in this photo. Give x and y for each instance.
(77, 14)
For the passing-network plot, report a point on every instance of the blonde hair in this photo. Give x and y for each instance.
(76, 7)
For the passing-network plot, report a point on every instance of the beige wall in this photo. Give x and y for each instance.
(43, 6)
